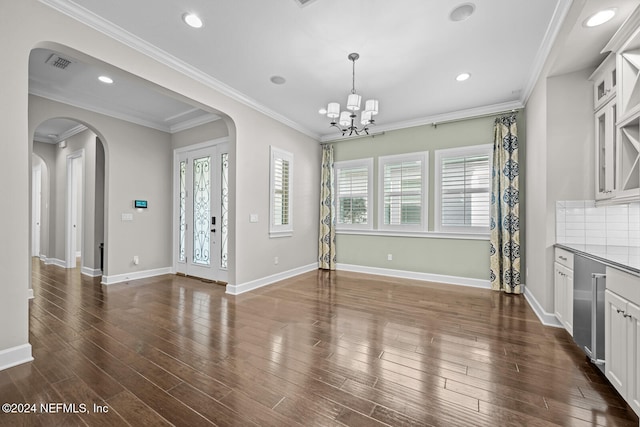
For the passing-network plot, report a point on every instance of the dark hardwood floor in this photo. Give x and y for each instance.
(319, 349)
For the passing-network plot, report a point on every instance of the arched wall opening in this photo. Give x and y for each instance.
(74, 194)
(137, 166)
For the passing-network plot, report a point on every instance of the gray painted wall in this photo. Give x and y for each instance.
(132, 171)
(561, 166)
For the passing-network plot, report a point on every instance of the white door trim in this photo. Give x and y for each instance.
(36, 209)
(70, 252)
(176, 191)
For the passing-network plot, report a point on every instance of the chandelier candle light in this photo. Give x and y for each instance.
(346, 119)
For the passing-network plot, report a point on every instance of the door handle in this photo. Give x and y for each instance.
(213, 222)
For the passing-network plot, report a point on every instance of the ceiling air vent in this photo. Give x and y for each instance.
(303, 3)
(58, 61)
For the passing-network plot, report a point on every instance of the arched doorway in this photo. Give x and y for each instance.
(72, 191)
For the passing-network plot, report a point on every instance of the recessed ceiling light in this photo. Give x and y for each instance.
(599, 18)
(278, 80)
(462, 12)
(463, 76)
(322, 111)
(105, 79)
(192, 20)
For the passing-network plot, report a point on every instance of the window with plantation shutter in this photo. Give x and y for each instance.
(281, 177)
(463, 189)
(354, 193)
(403, 191)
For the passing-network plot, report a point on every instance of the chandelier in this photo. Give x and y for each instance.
(347, 119)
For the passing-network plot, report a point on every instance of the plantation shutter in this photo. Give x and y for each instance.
(465, 191)
(352, 195)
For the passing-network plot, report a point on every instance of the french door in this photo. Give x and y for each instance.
(202, 212)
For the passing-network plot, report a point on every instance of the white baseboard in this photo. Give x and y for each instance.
(135, 275)
(428, 277)
(30, 293)
(15, 356)
(56, 262)
(546, 318)
(43, 258)
(264, 281)
(91, 272)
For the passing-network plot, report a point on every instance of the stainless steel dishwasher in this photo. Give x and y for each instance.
(588, 307)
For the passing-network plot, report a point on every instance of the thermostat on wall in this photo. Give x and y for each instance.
(140, 204)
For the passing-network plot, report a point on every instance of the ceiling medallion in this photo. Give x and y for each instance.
(346, 123)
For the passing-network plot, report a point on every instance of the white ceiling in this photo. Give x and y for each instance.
(410, 53)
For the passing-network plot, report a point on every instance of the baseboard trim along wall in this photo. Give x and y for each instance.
(425, 277)
(56, 262)
(91, 272)
(134, 275)
(30, 293)
(15, 356)
(546, 318)
(264, 281)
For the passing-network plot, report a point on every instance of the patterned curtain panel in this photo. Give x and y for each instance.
(327, 243)
(505, 208)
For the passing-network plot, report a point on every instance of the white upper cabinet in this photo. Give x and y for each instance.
(604, 82)
(617, 116)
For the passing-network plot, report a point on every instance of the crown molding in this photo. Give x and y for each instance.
(65, 135)
(559, 15)
(73, 131)
(103, 111)
(79, 13)
(197, 121)
(437, 119)
(627, 30)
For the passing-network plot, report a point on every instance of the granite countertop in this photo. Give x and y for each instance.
(625, 257)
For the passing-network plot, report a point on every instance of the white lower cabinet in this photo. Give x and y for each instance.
(622, 335)
(563, 289)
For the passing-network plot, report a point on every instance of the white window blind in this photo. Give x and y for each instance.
(403, 184)
(463, 186)
(281, 218)
(353, 193)
(281, 192)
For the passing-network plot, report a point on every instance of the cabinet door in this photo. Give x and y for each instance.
(633, 362)
(604, 86)
(559, 293)
(606, 151)
(568, 301)
(616, 346)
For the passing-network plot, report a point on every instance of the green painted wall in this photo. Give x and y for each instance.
(453, 257)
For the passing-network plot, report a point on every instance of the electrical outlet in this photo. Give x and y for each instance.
(389, 257)
(136, 260)
(275, 260)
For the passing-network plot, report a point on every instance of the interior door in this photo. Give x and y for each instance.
(202, 212)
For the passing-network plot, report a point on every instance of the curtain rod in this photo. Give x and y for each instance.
(498, 113)
(434, 124)
(349, 138)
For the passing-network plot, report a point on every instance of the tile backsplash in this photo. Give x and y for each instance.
(581, 222)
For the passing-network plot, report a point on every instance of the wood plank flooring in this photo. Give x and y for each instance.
(326, 349)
